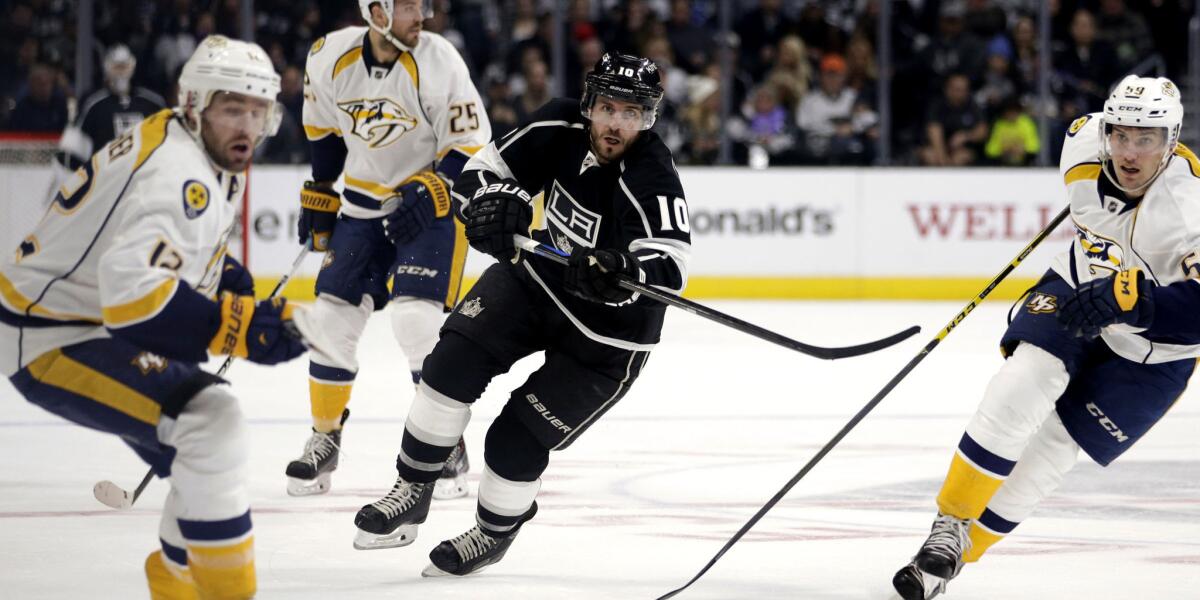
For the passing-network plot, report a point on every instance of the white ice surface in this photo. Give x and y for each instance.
(717, 423)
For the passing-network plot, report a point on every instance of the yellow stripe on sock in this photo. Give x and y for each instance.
(328, 402)
(981, 540)
(225, 572)
(967, 490)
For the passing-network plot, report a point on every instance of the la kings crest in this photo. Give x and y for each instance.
(569, 222)
(378, 121)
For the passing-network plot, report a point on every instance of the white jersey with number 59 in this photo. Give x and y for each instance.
(1158, 233)
(395, 120)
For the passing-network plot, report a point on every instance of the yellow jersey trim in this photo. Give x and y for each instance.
(1081, 172)
(1186, 153)
(141, 309)
(457, 264)
(467, 150)
(314, 133)
(375, 189)
(410, 65)
(18, 303)
(347, 59)
(154, 131)
(61, 371)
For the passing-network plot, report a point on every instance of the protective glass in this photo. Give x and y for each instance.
(1139, 140)
(413, 9)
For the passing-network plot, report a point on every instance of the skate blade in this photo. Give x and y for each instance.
(402, 536)
(450, 488)
(433, 571)
(308, 487)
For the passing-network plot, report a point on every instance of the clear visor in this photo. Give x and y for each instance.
(258, 118)
(1137, 140)
(413, 9)
(618, 114)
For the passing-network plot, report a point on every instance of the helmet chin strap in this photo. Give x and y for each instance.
(391, 37)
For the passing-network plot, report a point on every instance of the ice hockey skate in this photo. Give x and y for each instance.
(453, 481)
(472, 551)
(937, 562)
(310, 474)
(392, 521)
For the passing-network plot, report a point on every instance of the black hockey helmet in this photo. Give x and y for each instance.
(624, 77)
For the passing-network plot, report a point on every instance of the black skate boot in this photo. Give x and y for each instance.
(472, 551)
(937, 562)
(392, 521)
(452, 483)
(309, 474)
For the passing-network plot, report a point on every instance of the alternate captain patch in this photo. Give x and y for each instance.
(195, 198)
(1078, 124)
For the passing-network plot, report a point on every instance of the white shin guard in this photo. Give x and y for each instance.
(1018, 400)
(1047, 459)
(339, 324)
(209, 472)
(415, 323)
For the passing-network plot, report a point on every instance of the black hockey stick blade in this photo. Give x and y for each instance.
(717, 316)
(866, 409)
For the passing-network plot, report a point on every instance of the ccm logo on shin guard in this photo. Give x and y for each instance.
(547, 415)
(1106, 422)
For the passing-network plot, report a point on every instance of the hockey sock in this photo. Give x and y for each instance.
(1016, 403)
(221, 556)
(502, 503)
(329, 393)
(434, 425)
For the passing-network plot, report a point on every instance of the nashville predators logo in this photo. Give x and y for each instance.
(379, 121)
(195, 198)
(147, 362)
(1099, 251)
(1041, 303)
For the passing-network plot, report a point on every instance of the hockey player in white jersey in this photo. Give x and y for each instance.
(107, 308)
(392, 110)
(1102, 346)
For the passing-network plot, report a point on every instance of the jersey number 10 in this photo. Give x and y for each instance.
(678, 211)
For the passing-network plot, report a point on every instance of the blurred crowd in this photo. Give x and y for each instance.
(803, 91)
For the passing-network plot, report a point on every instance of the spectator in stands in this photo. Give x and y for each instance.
(691, 42)
(997, 83)
(759, 31)
(831, 132)
(954, 128)
(44, 106)
(1025, 54)
(792, 72)
(702, 121)
(289, 145)
(635, 24)
(984, 19)
(953, 50)
(1126, 32)
(763, 129)
(861, 72)
(501, 113)
(1014, 138)
(1086, 65)
(674, 79)
(536, 92)
(818, 33)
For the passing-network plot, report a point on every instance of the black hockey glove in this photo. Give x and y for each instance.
(319, 207)
(235, 278)
(1127, 297)
(594, 275)
(495, 213)
(423, 198)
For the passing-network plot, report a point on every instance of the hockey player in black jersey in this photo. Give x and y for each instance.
(614, 202)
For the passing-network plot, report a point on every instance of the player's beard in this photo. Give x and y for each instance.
(602, 143)
(233, 155)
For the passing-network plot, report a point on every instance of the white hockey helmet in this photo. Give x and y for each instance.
(220, 64)
(389, 6)
(1142, 102)
(119, 65)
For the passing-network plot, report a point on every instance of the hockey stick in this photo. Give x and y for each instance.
(700, 310)
(876, 400)
(113, 495)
